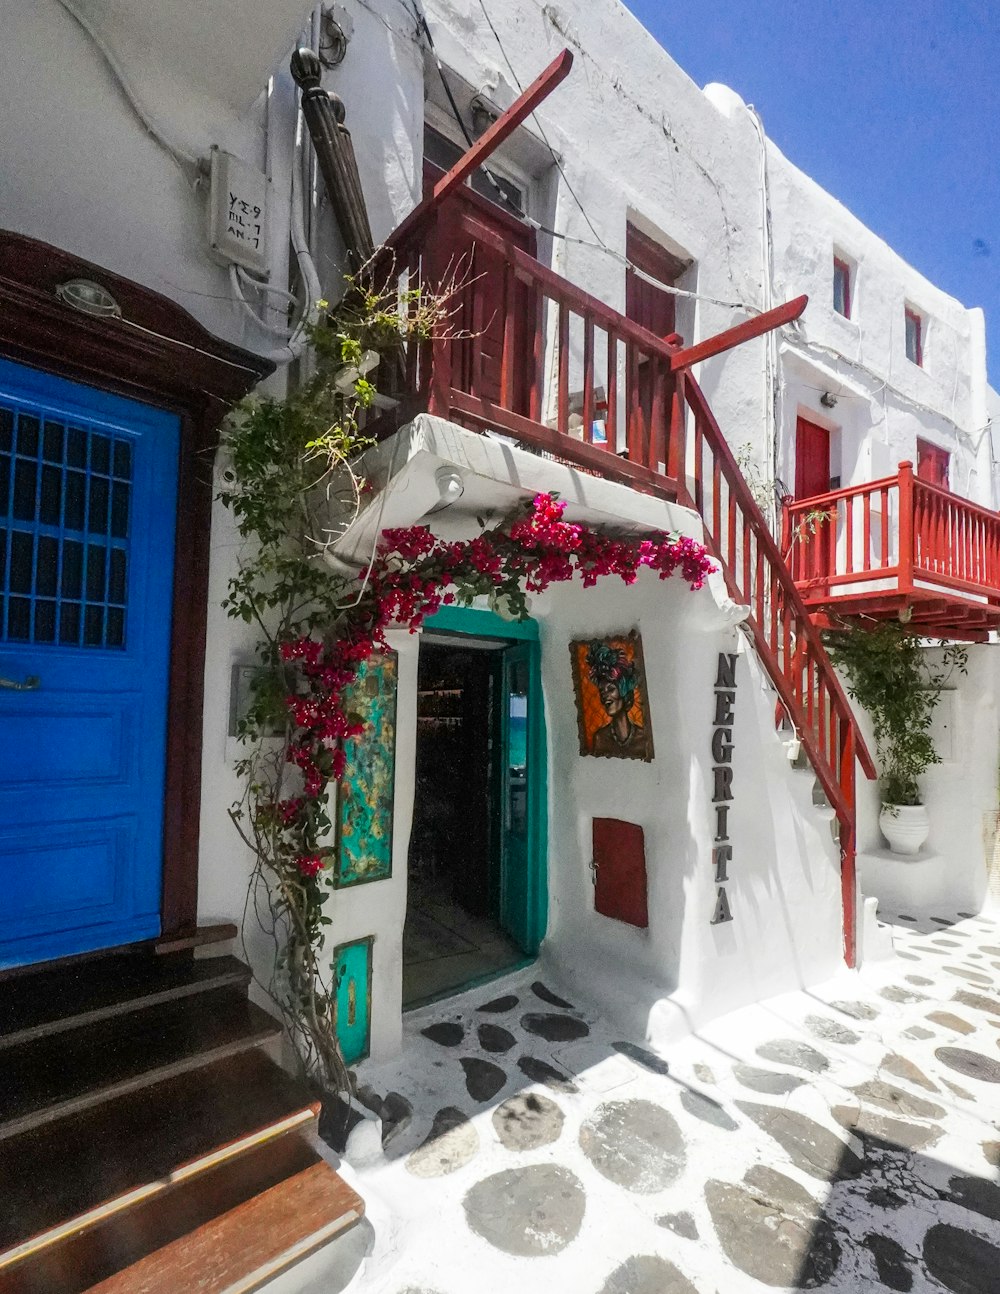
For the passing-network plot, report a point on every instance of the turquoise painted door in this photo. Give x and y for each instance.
(352, 967)
(522, 776)
(87, 510)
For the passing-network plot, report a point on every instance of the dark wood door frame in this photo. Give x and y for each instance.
(159, 354)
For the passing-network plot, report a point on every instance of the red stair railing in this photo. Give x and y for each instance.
(786, 640)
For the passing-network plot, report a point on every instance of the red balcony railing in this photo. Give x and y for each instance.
(897, 544)
(531, 355)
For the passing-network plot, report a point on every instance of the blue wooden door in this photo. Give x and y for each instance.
(87, 501)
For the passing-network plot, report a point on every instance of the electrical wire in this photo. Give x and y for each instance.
(504, 201)
(804, 347)
(189, 164)
(541, 129)
(293, 338)
(456, 111)
(267, 288)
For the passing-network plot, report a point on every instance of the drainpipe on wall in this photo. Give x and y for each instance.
(770, 338)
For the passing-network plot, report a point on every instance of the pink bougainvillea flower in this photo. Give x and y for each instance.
(309, 864)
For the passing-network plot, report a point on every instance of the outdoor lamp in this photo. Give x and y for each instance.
(89, 298)
(451, 487)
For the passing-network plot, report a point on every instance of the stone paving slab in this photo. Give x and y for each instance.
(842, 1139)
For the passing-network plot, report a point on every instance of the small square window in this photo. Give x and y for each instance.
(914, 337)
(841, 287)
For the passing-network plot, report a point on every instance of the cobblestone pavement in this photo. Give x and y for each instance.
(841, 1139)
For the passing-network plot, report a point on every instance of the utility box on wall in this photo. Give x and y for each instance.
(238, 212)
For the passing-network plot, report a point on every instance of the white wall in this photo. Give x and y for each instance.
(885, 401)
(82, 172)
(959, 793)
(784, 886)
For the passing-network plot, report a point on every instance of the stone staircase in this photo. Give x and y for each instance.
(148, 1142)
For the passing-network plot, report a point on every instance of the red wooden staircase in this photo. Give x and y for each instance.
(643, 420)
(784, 636)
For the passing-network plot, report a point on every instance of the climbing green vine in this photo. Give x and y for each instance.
(292, 491)
(892, 677)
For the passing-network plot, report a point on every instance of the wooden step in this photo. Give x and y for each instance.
(225, 1231)
(189, 937)
(68, 1072)
(195, 937)
(67, 997)
(86, 1166)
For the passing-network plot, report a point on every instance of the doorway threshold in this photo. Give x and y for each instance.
(477, 981)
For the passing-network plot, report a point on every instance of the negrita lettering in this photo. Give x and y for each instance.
(722, 780)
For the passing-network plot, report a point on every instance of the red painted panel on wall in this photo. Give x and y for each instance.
(620, 871)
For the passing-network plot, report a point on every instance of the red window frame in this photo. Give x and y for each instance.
(911, 316)
(841, 266)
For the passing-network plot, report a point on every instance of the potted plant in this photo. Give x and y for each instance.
(890, 675)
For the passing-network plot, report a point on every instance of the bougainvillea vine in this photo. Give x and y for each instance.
(415, 574)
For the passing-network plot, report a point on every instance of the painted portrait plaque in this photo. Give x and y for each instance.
(612, 703)
(366, 793)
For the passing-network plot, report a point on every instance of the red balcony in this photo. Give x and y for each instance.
(897, 547)
(534, 357)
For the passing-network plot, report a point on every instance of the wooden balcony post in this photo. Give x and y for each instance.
(906, 532)
(676, 447)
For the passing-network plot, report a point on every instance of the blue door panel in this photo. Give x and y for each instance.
(87, 511)
(78, 748)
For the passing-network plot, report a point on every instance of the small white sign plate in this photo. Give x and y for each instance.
(238, 215)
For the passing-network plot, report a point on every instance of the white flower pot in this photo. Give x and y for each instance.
(905, 826)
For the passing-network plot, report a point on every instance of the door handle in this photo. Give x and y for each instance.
(594, 864)
(31, 682)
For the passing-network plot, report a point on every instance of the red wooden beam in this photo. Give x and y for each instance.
(742, 332)
(504, 126)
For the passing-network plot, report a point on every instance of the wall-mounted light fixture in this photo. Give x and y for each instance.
(828, 400)
(451, 487)
(89, 298)
(335, 32)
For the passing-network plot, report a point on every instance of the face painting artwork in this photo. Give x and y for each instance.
(611, 697)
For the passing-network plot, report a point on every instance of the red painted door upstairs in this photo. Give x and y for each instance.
(620, 871)
(812, 459)
(649, 306)
(477, 354)
(812, 477)
(932, 464)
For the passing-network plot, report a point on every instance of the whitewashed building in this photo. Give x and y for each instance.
(161, 200)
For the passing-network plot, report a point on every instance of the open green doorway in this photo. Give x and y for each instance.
(476, 900)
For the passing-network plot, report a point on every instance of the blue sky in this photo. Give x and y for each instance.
(891, 105)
